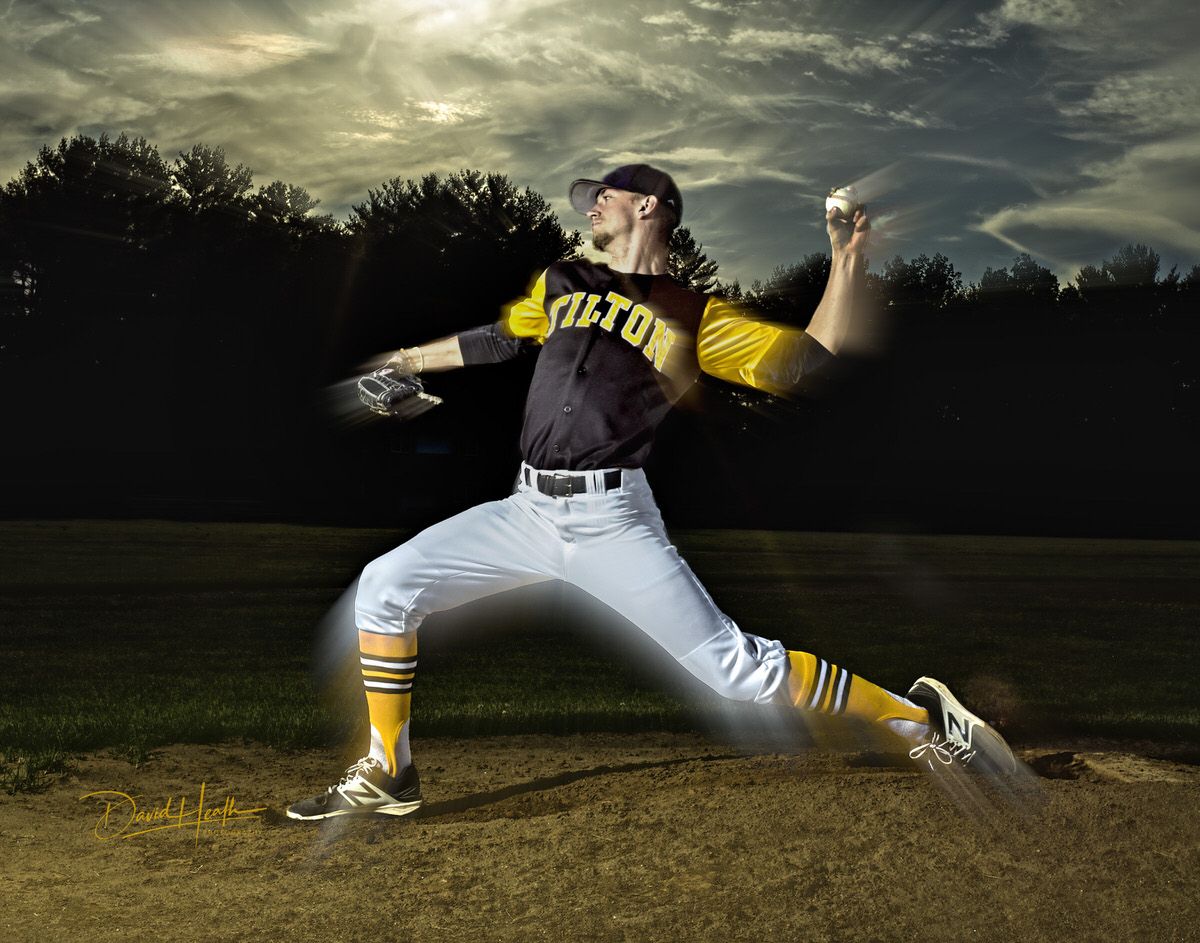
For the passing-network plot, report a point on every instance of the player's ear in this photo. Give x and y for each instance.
(647, 205)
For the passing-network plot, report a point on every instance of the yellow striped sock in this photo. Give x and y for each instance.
(818, 685)
(389, 663)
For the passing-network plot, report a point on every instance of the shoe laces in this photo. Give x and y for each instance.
(942, 749)
(361, 768)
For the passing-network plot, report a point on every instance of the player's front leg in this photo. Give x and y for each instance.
(385, 781)
(482, 551)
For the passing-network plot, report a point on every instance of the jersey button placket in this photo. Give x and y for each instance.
(566, 409)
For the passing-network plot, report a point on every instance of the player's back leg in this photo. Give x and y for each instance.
(634, 568)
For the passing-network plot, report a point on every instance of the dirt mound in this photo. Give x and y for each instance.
(638, 837)
(1113, 767)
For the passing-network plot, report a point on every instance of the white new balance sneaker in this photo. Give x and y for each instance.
(366, 789)
(958, 735)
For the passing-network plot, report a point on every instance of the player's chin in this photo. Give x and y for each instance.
(601, 240)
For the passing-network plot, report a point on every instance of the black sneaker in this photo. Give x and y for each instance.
(958, 735)
(366, 789)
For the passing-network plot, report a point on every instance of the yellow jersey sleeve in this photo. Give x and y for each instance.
(527, 317)
(733, 346)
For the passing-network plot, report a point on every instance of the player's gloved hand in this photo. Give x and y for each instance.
(389, 391)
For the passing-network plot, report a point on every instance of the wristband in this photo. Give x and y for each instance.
(410, 360)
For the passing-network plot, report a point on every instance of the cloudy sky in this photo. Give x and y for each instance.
(1064, 128)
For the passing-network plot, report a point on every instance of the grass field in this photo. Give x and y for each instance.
(129, 635)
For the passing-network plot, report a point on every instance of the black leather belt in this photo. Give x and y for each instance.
(567, 484)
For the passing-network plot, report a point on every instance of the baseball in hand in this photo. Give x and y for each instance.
(844, 200)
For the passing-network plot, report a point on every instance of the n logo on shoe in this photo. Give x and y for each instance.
(958, 728)
(362, 792)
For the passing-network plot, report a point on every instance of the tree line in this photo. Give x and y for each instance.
(167, 327)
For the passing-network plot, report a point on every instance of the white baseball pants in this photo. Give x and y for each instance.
(612, 545)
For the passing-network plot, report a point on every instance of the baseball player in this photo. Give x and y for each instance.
(619, 343)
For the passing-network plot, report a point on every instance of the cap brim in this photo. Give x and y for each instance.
(583, 194)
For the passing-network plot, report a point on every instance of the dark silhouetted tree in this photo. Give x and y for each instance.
(78, 225)
(791, 292)
(687, 263)
(1029, 279)
(924, 284)
(443, 253)
(285, 204)
(1028, 294)
(1133, 265)
(464, 208)
(731, 291)
(1121, 290)
(205, 181)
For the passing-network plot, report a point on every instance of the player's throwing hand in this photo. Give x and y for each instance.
(847, 236)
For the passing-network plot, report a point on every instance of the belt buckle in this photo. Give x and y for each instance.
(569, 484)
(555, 485)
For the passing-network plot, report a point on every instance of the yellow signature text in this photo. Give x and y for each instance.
(121, 817)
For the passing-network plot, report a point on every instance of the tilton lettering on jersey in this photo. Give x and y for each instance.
(641, 327)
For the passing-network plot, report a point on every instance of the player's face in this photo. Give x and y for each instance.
(612, 216)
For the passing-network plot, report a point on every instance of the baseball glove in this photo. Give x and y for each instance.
(390, 392)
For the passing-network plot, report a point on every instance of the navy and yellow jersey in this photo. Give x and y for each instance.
(617, 352)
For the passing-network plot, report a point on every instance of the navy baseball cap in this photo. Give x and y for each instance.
(636, 178)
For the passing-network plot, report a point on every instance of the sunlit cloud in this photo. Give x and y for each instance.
(903, 116)
(354, 138)
(1156, 101)
(999, 117)
(1118, 204)
(680, 27)
(1048, 14)
(1118, 87)
(696, 168)
(40, 23)
(842, 53)
(448, 112)
(231, 57)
